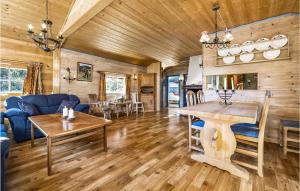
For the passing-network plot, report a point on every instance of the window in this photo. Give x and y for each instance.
(11, 80)
(115, 84)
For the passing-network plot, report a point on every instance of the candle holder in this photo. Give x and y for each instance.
(225, 95)
(69, 78)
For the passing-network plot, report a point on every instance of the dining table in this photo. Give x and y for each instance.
(216, 137)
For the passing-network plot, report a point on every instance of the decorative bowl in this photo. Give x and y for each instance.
(235, 49)
(229, 59)
(248, 46)
(271, 54)
(223, 52)
(247, 57)
(262, 44)
(279, 41)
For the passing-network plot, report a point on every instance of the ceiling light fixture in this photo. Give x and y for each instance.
(44, 40)
(216, 42)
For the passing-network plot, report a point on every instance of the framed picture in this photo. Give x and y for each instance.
(84, 72)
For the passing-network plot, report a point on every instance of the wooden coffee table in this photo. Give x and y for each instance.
(53, 127)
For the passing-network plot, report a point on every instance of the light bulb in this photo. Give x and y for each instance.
(228, 36)
(44, 26)
(30, 27)
(204, 37)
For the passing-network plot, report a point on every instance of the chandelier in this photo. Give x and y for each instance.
(216, 42)
(44, 39)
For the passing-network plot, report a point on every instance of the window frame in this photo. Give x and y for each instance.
(10, 80)
(116, 77)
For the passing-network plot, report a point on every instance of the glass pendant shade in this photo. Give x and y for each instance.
(228, 36)
(204, 37)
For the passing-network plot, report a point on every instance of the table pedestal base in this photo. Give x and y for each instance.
(228, 166)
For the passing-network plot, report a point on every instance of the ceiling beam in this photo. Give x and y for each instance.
(81, 12)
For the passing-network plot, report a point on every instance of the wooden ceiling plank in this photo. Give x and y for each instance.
(134, 30)
(150, 32)
(81, 12)
(142, 9)
(88, 31)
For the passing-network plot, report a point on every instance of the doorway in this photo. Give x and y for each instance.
(173, 84)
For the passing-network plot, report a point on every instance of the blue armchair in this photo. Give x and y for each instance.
(46, 104)
(4, 142)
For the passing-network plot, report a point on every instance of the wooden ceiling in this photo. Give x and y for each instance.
(139, 31)
(166, 30)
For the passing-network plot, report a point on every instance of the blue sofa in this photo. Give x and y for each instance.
(4, 142)
(46, 104)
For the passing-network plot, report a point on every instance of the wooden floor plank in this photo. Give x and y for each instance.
(145, 152)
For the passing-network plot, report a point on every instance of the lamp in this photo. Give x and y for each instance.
(216, 42)
(181, 77)
(69, 78)
(134, 76)
(44, 39)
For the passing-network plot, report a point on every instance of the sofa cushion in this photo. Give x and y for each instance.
(12, 102)
(66, 103)
(28, 108)
(56, 99)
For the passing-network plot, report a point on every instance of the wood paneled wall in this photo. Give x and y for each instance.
(156, 68)
(281, 77)
(20, 53)
(16, 52)
(81, 88)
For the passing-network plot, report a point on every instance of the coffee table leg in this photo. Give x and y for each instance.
(32, 135)
(49, 155)
(104, 139)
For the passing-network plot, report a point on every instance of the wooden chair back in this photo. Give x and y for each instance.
(264, 116)
(200, 97)
(93, 98)
(191, 98)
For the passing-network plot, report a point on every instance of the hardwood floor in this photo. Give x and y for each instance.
(145, 153)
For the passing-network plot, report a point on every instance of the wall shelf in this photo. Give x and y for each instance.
(284, 55)
(255, 61)
(254, 52)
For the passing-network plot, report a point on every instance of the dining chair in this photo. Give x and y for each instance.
(290, 133)
(252, 137)
(195, 124)
(136, 105)
(200, 97)
(95, 105)
(191, 98)
(99, 107)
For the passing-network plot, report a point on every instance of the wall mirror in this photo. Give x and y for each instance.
(232, 81)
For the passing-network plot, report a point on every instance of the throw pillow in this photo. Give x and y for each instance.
(68, 104)
(28, 108)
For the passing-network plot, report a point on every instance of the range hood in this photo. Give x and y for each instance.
(195, 74)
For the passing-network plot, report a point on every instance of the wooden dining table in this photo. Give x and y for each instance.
(217, 138)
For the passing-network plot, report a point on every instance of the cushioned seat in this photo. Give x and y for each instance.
(4, 148)
(245, 129)
(290, 123)
(2, 128)
(199, 123)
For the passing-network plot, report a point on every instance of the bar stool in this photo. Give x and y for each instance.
(290, 129)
